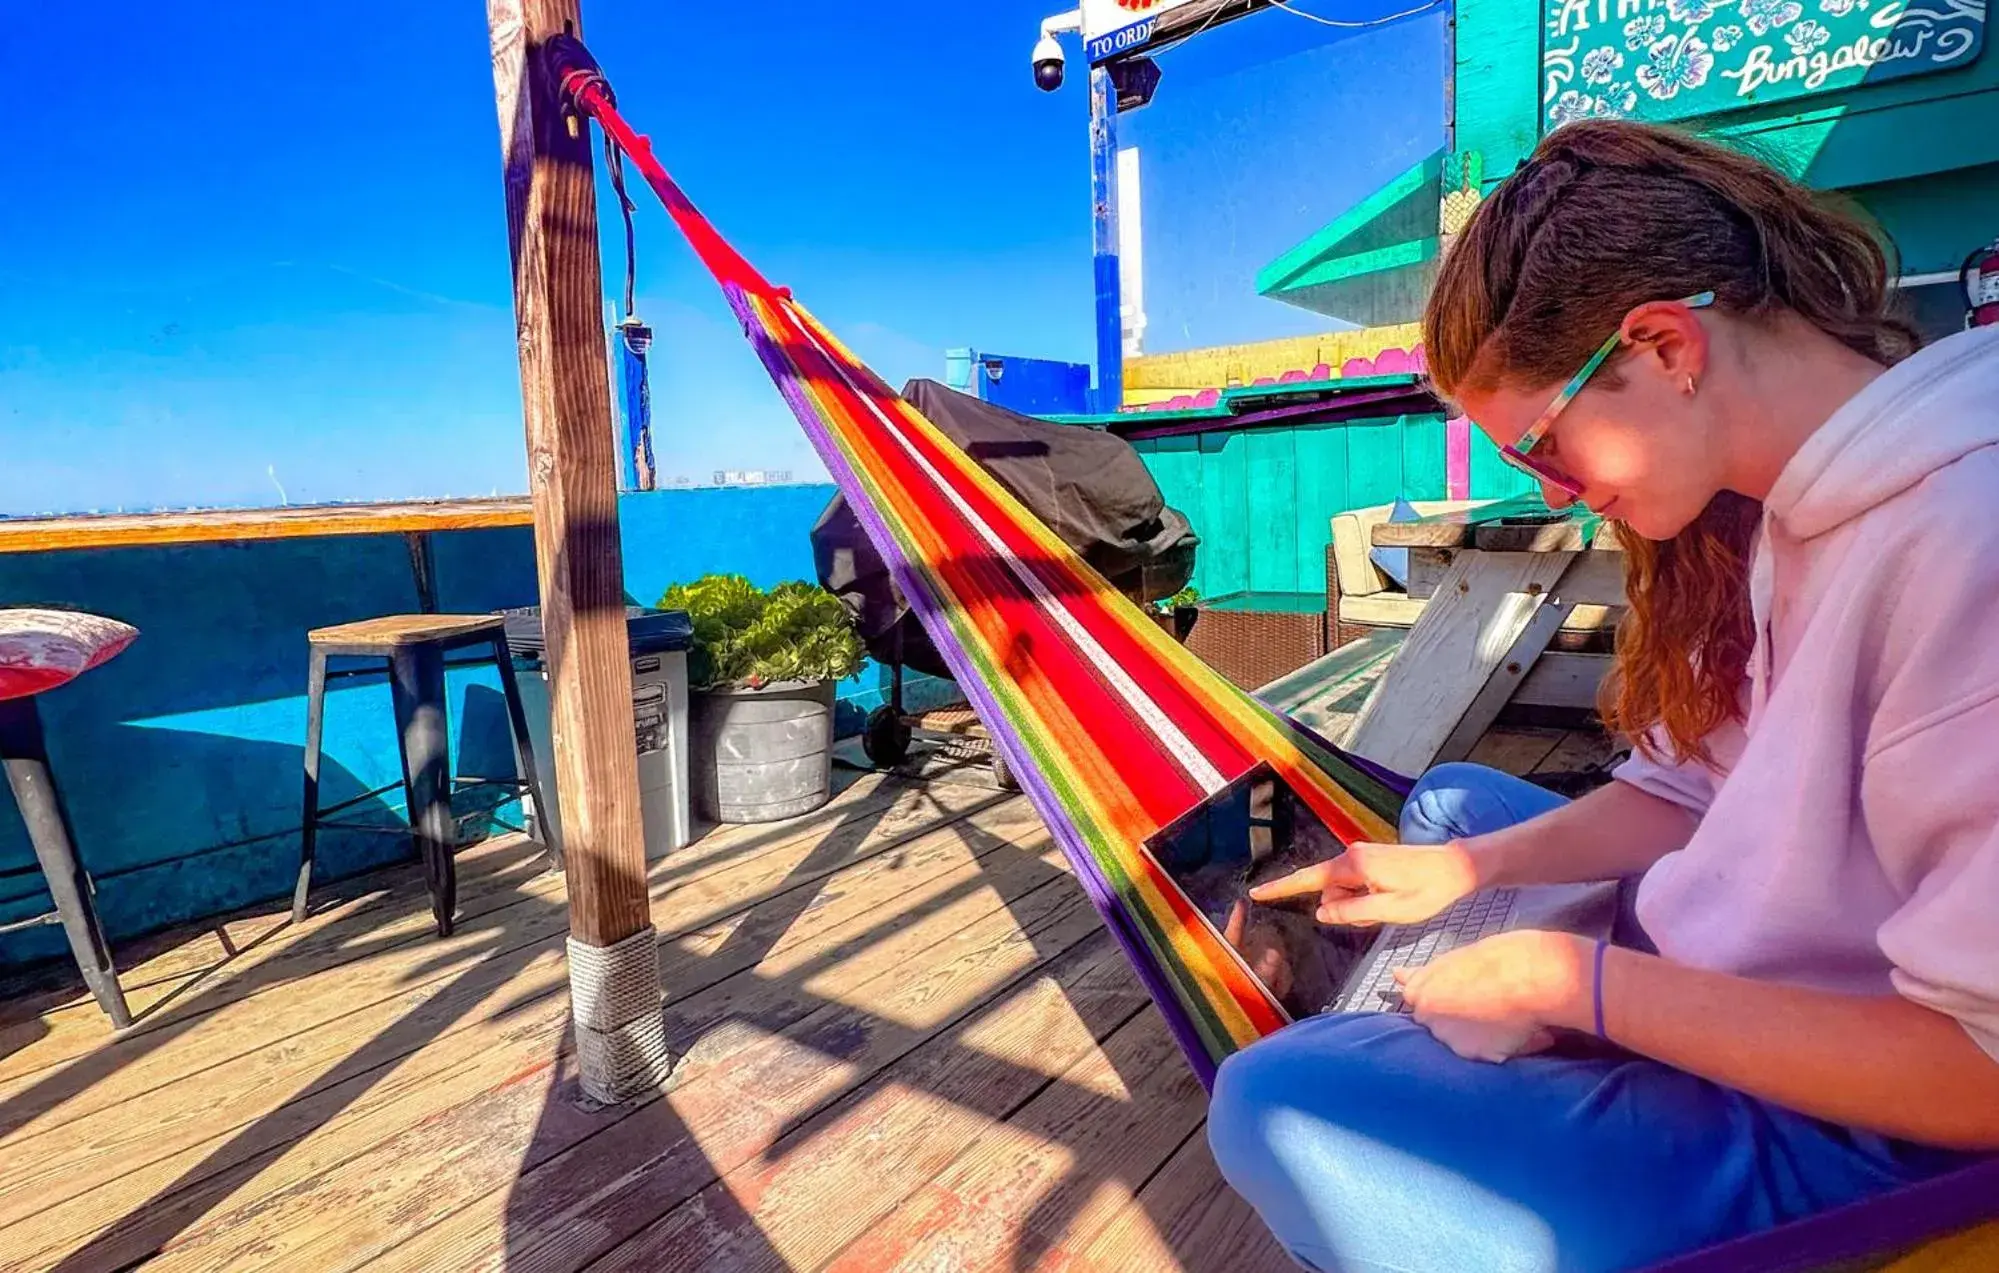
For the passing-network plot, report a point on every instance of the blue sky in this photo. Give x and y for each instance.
(295, 287)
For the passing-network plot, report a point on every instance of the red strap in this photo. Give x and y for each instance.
(723, 261)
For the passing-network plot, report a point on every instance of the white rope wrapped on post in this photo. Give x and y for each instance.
(620, 1027)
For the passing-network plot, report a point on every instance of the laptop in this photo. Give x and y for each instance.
(1257, 829)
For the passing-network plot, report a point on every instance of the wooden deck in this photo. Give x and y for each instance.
(908, 1043)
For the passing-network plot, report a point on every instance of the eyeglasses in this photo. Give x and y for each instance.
(1519, 454)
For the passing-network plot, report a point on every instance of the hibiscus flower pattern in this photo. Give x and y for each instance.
(1807, 38)
(1667, 59)
(1570, 107)
(1639, 33)
(1764, 16)
(1675, 62)
(1600, 66)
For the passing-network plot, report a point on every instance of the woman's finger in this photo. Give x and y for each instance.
(1300, 883)
(1308, 881)
(1238, 916)
(1362, 911)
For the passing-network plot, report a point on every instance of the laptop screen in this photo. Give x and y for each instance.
(1254, 830)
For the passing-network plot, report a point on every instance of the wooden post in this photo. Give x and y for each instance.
(572, 470)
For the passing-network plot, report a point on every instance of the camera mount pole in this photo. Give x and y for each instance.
(1104, 239)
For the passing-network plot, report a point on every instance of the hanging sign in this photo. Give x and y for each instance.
(1115, 27)
(1669, 59)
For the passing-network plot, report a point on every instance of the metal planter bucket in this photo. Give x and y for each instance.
(762, 754)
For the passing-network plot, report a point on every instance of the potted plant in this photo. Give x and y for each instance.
(763, 671)
(1177, 613)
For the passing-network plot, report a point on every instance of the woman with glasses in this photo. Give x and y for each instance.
(1801, 1007)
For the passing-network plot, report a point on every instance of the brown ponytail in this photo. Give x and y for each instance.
(1605, 216)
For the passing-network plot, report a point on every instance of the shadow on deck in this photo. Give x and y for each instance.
(907, 1042)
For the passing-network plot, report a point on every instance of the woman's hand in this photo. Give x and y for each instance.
(1502, 997)
(1373, 884)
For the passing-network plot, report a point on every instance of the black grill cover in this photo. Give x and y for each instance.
(1089, 487)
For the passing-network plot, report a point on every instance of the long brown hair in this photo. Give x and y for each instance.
(1603, 217)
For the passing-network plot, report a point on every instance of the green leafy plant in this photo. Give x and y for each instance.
(1187, 596)
(747, 636)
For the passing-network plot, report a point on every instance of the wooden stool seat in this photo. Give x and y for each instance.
(385, 635)
(413, 647)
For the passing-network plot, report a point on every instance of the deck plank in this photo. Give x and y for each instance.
(489, 1008)
(258, 955)
(1059, 1169)
(398, 1188)
(380, 970)
(586, 1202)
(1519, 750)
(494, 1001)
(493, 875)
(1186, 1214)
(908, 1043)
(1579, 749)
(801, 1203)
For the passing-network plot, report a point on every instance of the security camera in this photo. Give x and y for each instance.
(1048, 59)
(1048, 64)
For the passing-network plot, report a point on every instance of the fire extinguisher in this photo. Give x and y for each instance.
(1980, 276)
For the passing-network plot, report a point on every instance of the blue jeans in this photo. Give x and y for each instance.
(1367, 1145)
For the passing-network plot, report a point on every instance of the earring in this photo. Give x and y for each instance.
(1690, 386)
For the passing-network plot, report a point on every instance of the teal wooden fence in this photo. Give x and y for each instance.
(1263, 500)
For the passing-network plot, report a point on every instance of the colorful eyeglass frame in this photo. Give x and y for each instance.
(1519, 454)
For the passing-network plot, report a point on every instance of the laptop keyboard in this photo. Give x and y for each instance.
(1475, 917)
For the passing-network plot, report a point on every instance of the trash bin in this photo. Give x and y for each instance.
(659, 641)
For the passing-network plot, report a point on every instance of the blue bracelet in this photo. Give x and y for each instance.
(1597, 990)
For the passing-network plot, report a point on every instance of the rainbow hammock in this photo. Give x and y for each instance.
(1114, 730)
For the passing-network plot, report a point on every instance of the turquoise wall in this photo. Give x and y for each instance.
(1263, 500)
(180, 759)
(1921, 152)
(1847, 138)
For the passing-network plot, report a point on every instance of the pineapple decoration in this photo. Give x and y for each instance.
(1463, 173)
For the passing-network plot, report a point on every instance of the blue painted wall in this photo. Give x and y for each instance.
(1259, 135)
(1031, 386)
(1034, 386)
(180, 759)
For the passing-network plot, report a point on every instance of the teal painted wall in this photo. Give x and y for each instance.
(1263, 500)
(180, 759)
(1916, 151)
(1929, 217)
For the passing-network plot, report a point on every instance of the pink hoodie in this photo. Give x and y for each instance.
(1850, 840)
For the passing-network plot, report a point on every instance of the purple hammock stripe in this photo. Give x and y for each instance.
(1868, 1228)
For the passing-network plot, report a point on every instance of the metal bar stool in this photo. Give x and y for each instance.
(414, 648)
(40, 650)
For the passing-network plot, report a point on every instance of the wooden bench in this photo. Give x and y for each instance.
(1362, 598)
(1496, 595)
